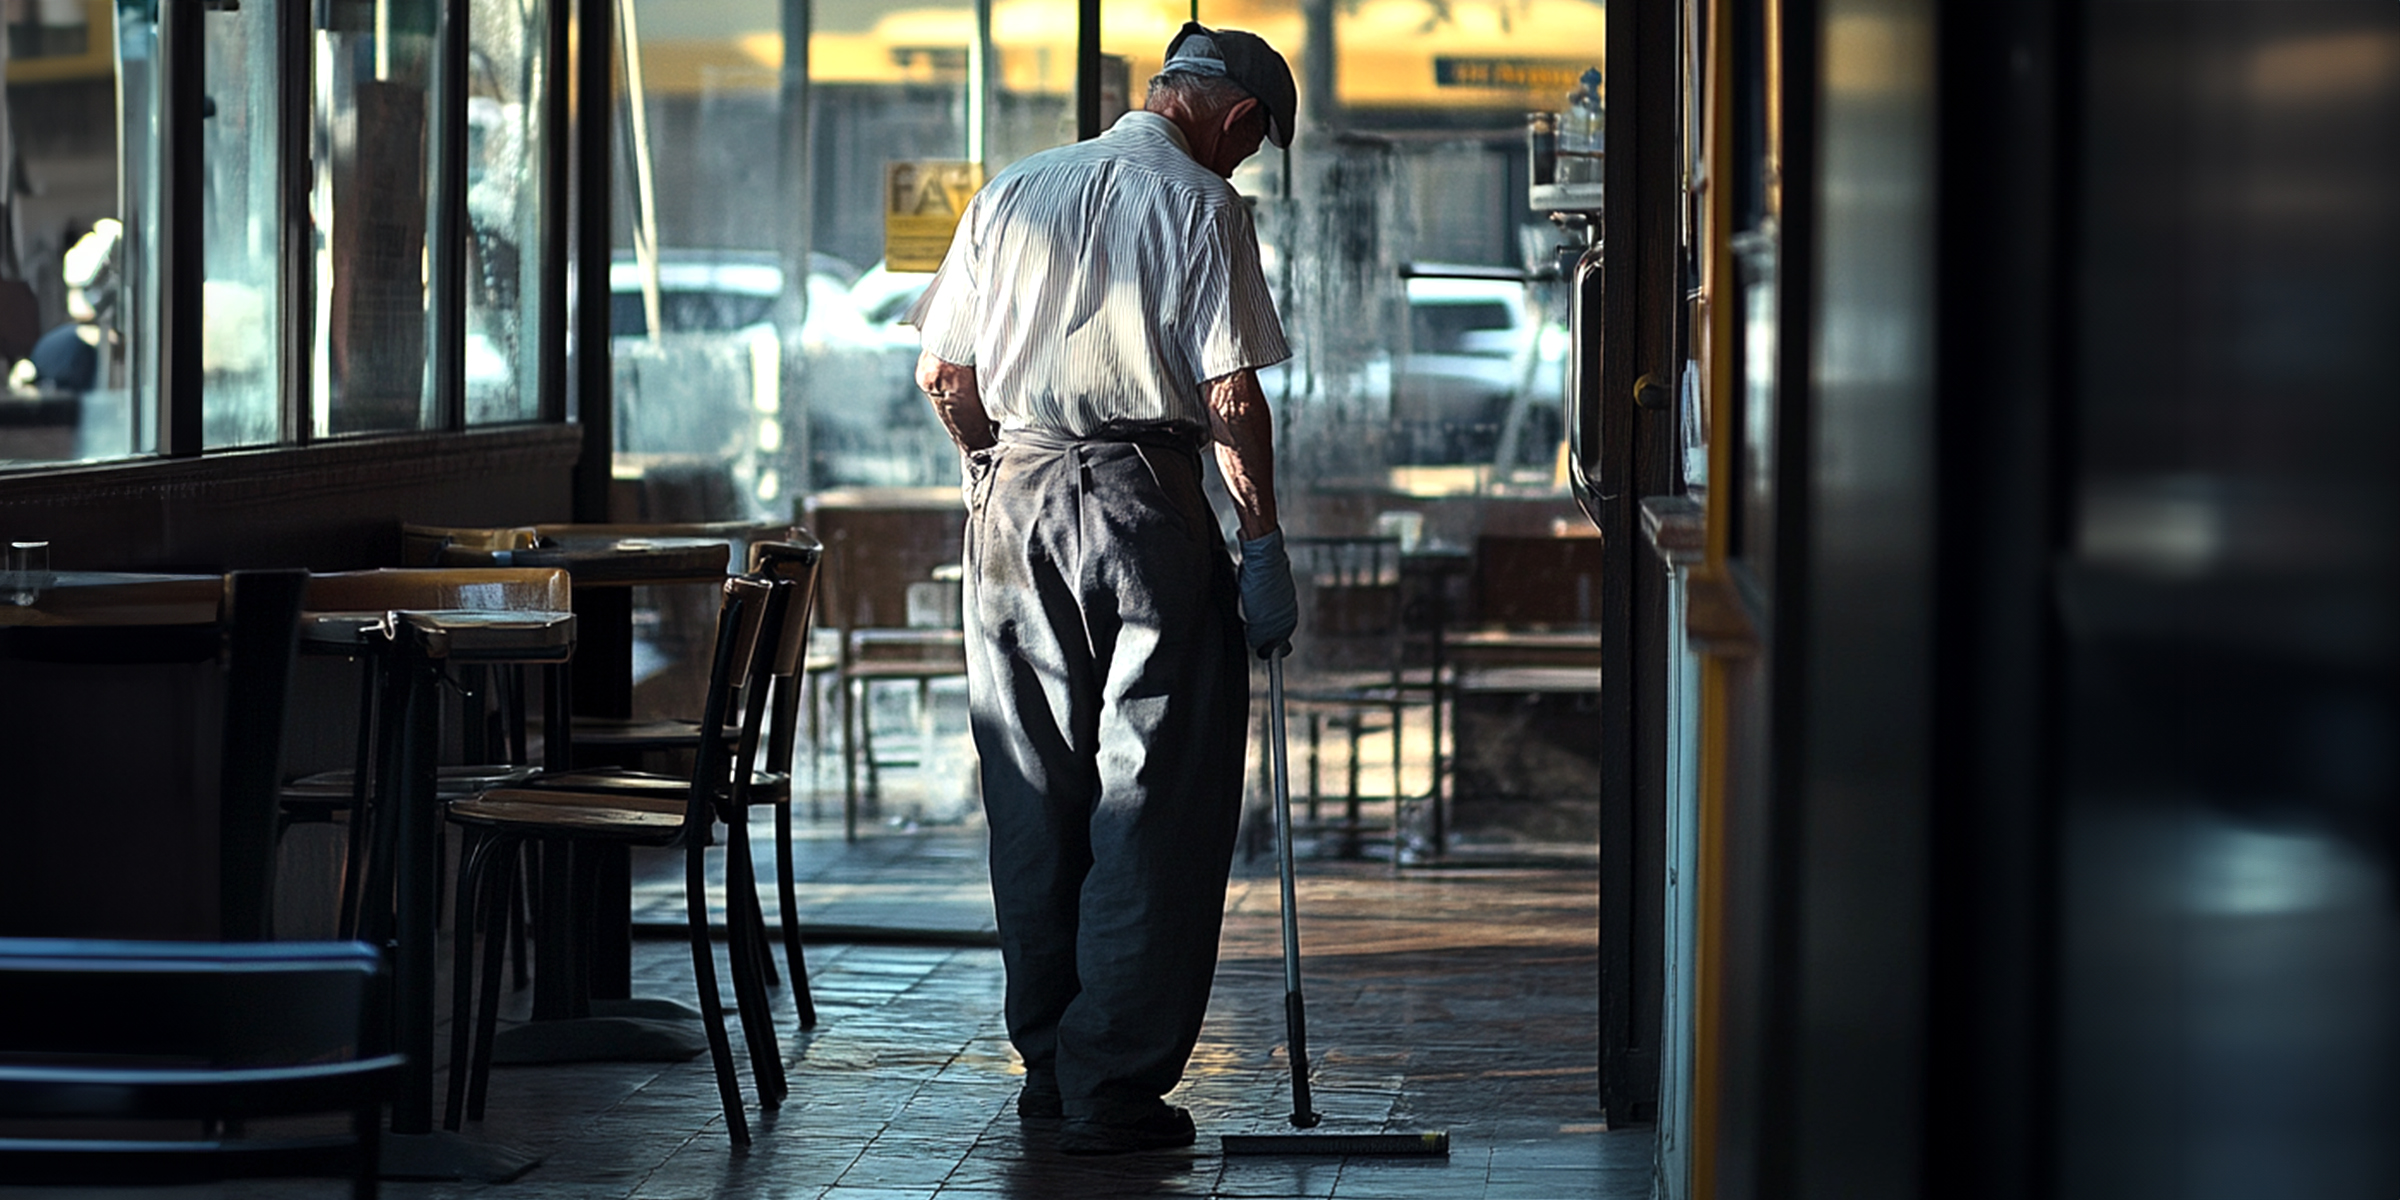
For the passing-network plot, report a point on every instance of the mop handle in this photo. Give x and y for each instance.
(1283, 827)
(1295, 1010)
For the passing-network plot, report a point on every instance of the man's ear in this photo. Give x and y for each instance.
(1234, 116)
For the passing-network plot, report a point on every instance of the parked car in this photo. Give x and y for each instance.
(712, 382)
(1483, 377)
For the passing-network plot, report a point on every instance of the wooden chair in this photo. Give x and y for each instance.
(771, 709)
(188, 1039)
(503, 819)
(878, 542)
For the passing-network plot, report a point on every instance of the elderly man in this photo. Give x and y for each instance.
(1098, 321)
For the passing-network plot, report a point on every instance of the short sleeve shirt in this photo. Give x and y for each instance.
(1103, 283)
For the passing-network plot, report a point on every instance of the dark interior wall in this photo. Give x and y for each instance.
(1849, 1117)
(327, 508)
(2229, 956)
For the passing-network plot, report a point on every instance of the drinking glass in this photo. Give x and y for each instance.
(27, 572)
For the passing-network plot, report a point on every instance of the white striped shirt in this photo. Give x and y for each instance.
(1103, 282)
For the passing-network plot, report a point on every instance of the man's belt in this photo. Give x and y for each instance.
(1176, 436)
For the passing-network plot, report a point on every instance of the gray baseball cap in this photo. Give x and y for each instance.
(1247, 60)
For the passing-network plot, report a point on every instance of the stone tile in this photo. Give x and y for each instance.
(1461, 1000)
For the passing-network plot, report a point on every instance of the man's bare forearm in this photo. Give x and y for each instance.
(1244, 431)
(957, 401)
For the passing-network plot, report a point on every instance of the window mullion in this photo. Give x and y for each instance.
(182, 99)
(446, 226)
(295, 90)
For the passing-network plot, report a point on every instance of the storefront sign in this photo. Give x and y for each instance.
(1553, 75)
(922, 202)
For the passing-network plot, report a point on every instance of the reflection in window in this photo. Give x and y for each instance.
(241, 238)
(505, 208)
(68, 399)
(373, 62)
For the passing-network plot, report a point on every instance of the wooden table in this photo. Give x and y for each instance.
(590, 1014)
(121, 598)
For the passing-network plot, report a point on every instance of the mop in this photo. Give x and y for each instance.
(1295, 1010)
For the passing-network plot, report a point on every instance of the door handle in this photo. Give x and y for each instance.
(1586, 388)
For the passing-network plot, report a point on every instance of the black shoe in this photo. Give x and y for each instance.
(1040, 1103)
(1163, 1129)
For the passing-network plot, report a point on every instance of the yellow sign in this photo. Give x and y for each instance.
(922, 202)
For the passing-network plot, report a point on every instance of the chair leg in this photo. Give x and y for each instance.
(788, 906)
(866, 740)
(354, 853)
(704, 977)
(1351, 800)
(472, 849)
(849, 716)
(813, 697)
(743, 946)
(521, 976)
(500, 890)
(1314, 783)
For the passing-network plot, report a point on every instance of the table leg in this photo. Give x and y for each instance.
(415, 1149)
(418, 839)
(604, 651)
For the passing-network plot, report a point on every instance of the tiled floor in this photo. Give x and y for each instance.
(1461, 999)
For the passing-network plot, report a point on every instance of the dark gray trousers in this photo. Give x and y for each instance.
(1110, 700)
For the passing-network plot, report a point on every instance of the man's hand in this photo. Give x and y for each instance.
(1270, 608)
(957, 401)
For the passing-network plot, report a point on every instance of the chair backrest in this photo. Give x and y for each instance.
(158, 685)
(792, 567)
(1548, 582)
(878, 541)
(742, 617)
(1350, 608)
(100, 1031)
(222, 1004)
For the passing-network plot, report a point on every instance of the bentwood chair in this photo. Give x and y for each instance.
(500, 821)
(879, 542)
(770, 711)
(189, 1039)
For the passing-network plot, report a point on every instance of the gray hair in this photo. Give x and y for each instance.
(1198, 93)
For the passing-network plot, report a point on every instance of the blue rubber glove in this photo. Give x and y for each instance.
(1270, 609)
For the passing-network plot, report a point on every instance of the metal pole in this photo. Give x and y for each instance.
(1295, 1009)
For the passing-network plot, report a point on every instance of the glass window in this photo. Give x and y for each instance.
(374, 59)
(507, 205)
(696, 280)
(70, 398)
(241, 229)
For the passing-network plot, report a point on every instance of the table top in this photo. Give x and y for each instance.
(120, 598)
(602, 560)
